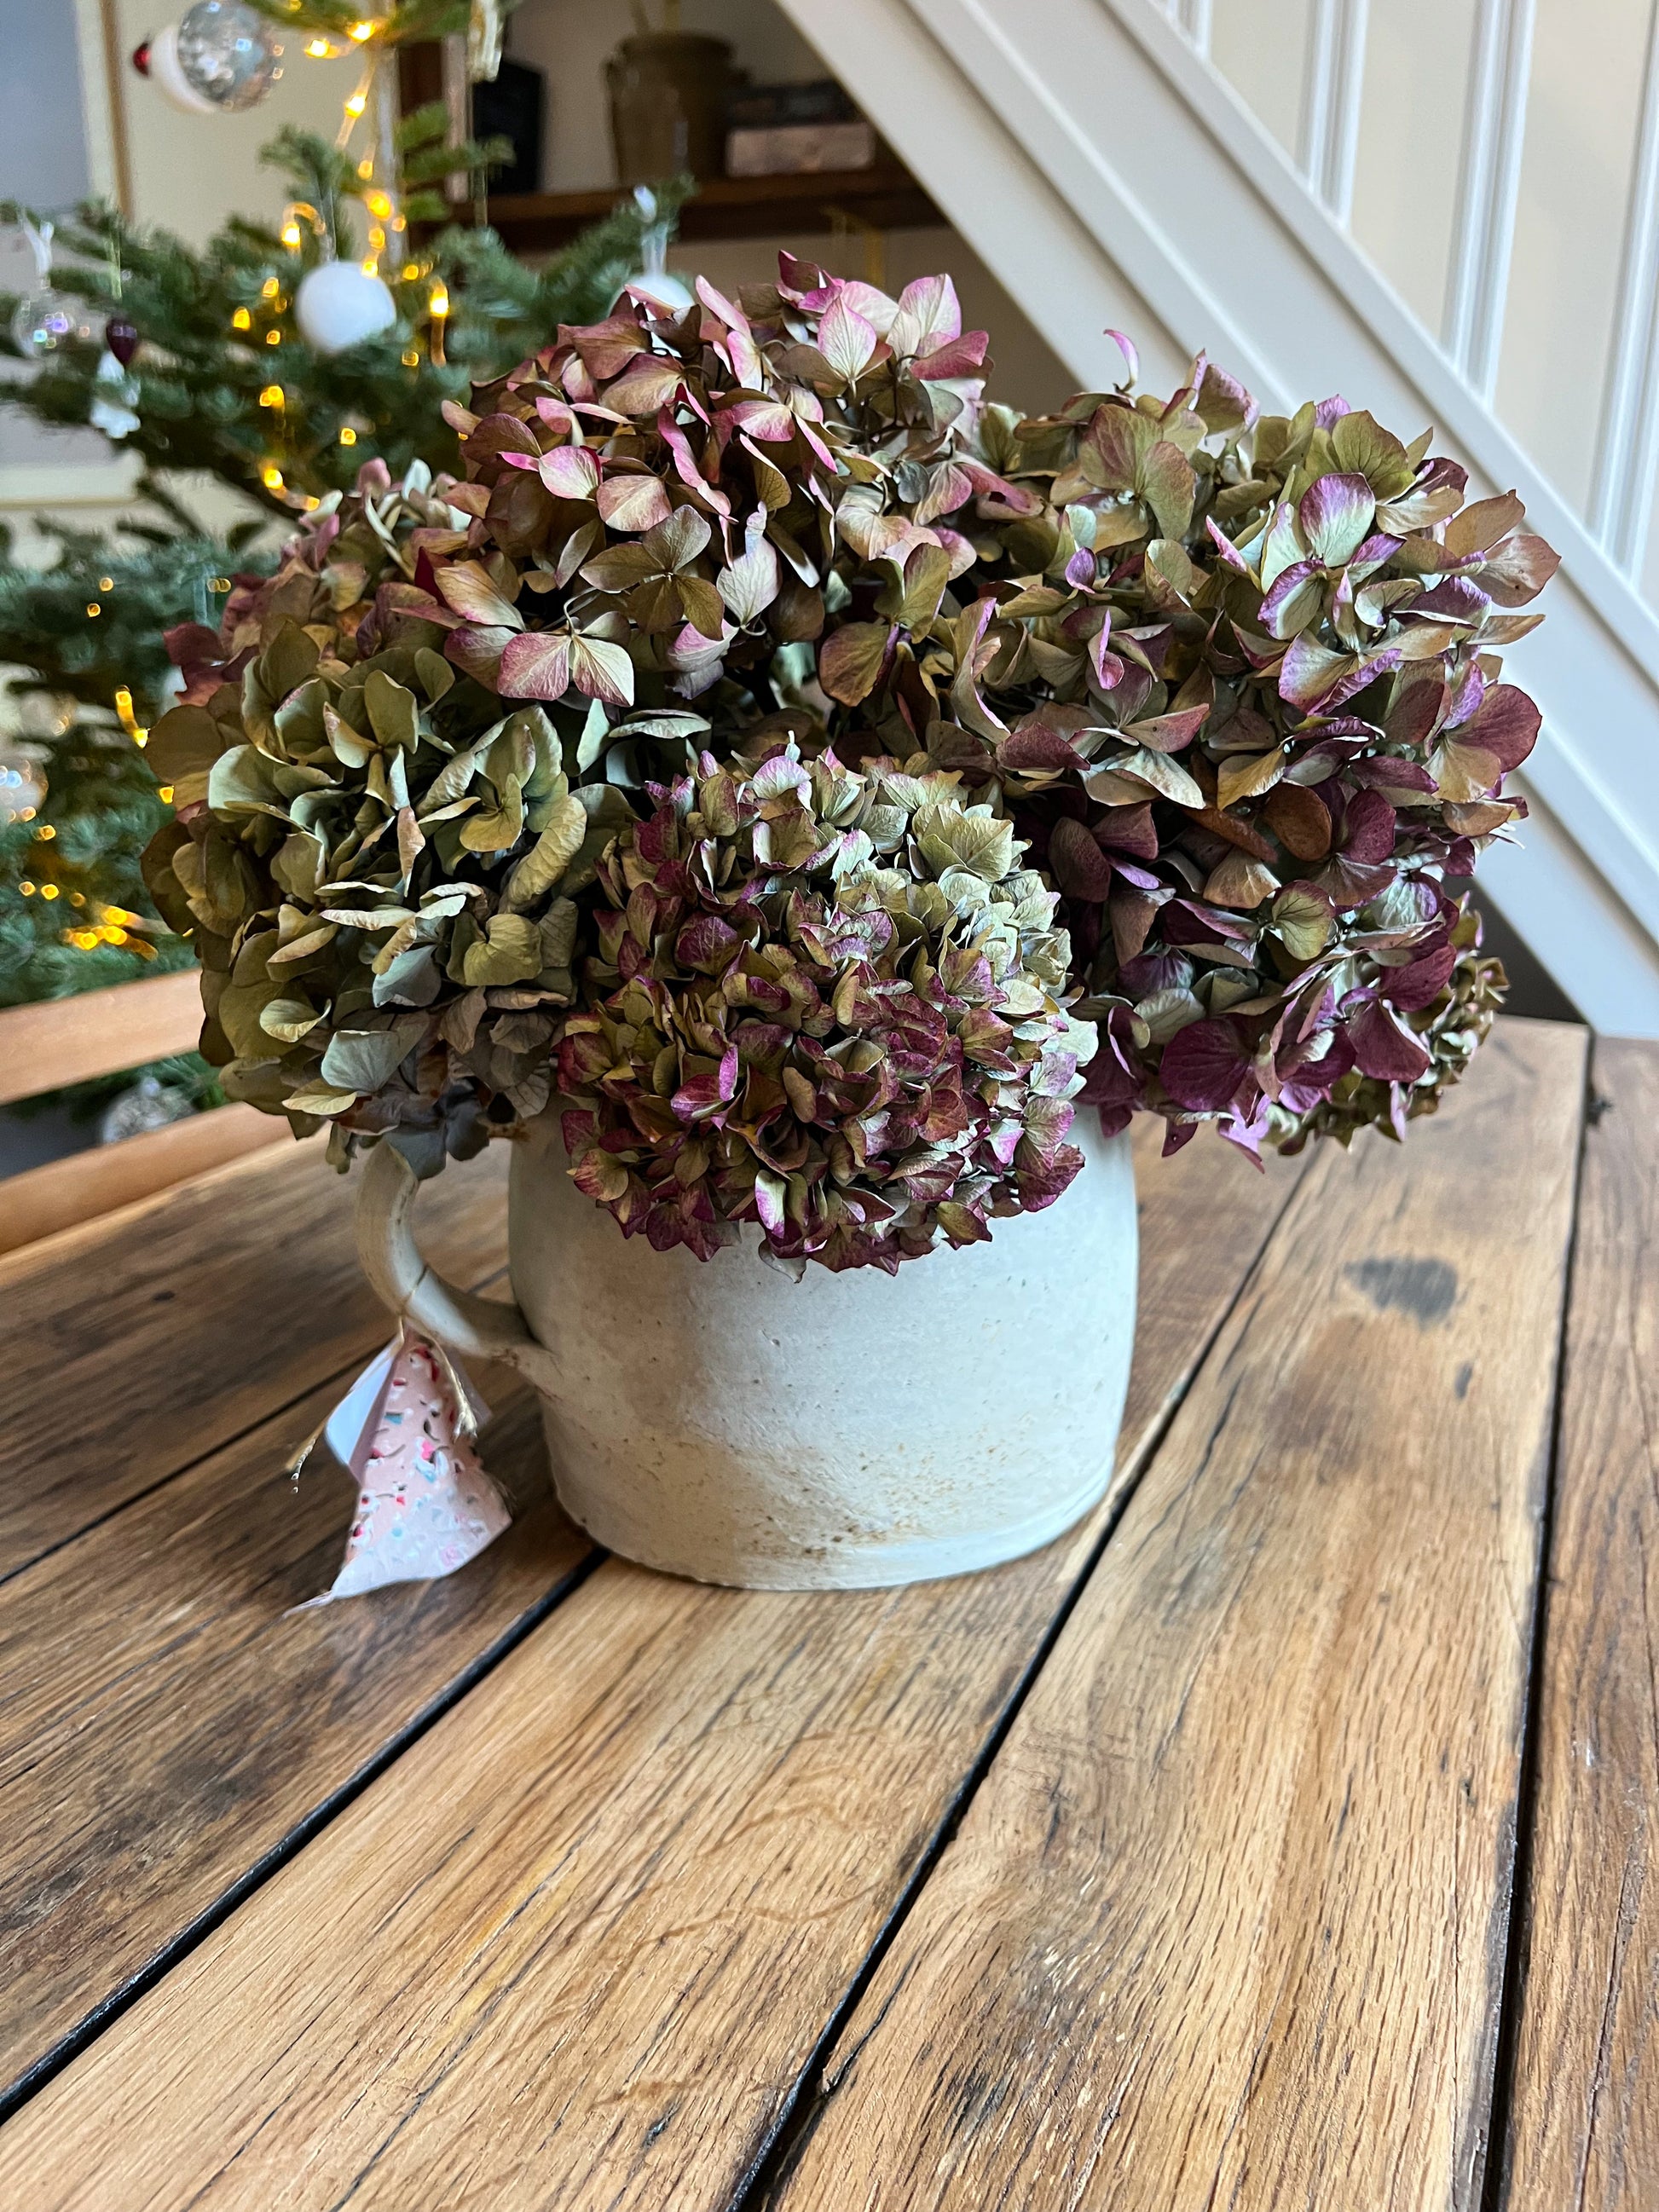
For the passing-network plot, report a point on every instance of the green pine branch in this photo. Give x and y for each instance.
(220, 341)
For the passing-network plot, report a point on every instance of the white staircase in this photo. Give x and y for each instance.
(1108, 173)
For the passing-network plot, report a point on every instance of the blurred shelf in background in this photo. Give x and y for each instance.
(883, 197)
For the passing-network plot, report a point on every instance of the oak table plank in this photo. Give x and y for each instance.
(167, 1721)
(577, 1945)
(1584, 2104)
(191, 1317)
(1226, 1925)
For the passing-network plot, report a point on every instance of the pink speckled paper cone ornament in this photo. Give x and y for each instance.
(424, 1504)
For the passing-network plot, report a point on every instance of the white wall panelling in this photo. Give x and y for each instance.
(1335, 80)
(1493, 128)
(1627, 446)
(1197, 210)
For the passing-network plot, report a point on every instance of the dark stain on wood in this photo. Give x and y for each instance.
(1425, 1289)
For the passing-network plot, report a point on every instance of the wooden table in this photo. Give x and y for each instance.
(1283, 1836)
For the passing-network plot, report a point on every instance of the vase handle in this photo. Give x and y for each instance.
(479, 1329)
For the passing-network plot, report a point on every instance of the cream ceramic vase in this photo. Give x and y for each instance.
(715, 1419)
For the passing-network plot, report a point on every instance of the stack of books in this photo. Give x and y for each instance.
(795, 130)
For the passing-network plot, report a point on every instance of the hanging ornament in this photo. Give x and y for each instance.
(46, 319)
(113, 406)
(149, 1103)
(655, 281)
(22, 781)
(485, 29)
(340, 304)
(425, 1506)
(121, 336)
(219, 60)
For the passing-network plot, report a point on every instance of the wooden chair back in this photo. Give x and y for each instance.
(59, 1041)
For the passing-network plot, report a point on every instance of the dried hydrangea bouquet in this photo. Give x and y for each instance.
(813, 808)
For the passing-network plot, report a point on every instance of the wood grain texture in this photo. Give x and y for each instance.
(166, 1719)
(1225, 1923)
(61, 1041)
(1584, 2109)
(137, 1345)
(576, 1946)
(85, 1186)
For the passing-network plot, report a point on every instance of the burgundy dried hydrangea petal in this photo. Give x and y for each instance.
(1203, 1064)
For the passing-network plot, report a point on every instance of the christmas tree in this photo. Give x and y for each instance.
(212, 362)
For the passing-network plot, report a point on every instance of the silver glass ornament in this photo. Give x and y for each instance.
(47, 320)
(228, 54)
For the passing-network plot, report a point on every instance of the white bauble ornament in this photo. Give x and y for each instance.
(662, 288)
(340, 304)
(48, 320)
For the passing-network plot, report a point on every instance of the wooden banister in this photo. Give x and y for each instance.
(57, 1041)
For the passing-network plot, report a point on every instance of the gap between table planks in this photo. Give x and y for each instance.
(1227, 1923)
(1584, 2117)
(554, 1914)
(191, 1317)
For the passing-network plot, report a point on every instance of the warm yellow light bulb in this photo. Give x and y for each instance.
(220, 584)
(27, 888)
(363, 31)
(269, 289)
(355, 104)
(371, 266)
(411, 359)
(378, 205)
(166, 794)
(366, 168)
(347, 435)
(46, 833)
(318, 49)
(271, 477)
(311, 502)
(48, 891)
(273, 338)
(93, 608)
(291, 233)
(438, 305)
(241, 320)
(107, 583)
(273, 396)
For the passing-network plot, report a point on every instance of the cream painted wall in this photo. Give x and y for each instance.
(1260, 46)
(1409, 144)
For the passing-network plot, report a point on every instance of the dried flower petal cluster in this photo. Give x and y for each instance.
(829, 1003)
(376, 862)
(1231, 683)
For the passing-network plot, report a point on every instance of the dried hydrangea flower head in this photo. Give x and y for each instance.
(829, 1003)
(699, 505)
(375, 861)
(1242, 691)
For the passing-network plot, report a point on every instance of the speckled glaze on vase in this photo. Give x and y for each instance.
(715, 1419)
